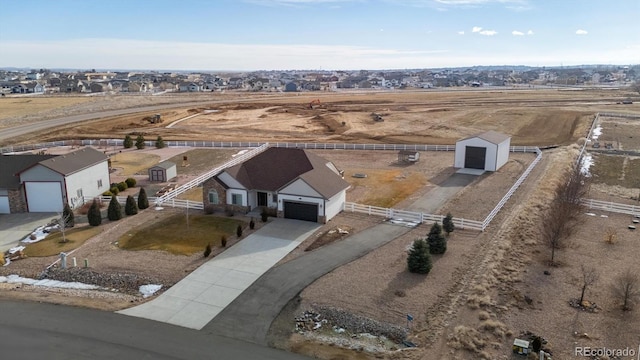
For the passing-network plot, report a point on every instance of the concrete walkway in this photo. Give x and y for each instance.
(437, 197)
(204, 293)
(15, 227)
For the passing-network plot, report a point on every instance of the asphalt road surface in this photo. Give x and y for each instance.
(30, 330)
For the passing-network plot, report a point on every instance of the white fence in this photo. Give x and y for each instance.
(410, 216)
(178, 203)
(206, 176)
(612, 207)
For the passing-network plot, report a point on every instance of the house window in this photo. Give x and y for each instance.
(236, 199)
(79, 193)
(274, 198)
(99, 183)
(213, 197)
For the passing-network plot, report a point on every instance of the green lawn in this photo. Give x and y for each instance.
(174, 236)
(53, 245)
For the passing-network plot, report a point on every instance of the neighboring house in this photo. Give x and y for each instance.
(189, 87)
(291, 87)
(12, 199)
(487, 151)
(162, 172)
(299, 184)
(68, 178)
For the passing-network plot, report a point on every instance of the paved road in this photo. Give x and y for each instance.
(45, 331)
(249, 317)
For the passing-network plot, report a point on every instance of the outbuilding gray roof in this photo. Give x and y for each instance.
(74, 161)
(491, 136)
(165, 165)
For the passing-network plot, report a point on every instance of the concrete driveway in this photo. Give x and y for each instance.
(203, 294)
(15, 227)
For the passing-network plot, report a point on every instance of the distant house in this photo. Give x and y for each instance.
(298, 184)
(291, 87)
(189, 87)
(44, 183)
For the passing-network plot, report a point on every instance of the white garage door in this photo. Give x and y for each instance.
(4, 204)
(44, 196)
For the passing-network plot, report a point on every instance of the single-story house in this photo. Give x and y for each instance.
(299, 184)
(48, 184)
(12, 199)
(162, 172)
(487, 151)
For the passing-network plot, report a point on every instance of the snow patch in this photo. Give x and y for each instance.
(240, 153)
(15, 279)
(596, 132)
(39, 233)
(585, 164)
(149, 290)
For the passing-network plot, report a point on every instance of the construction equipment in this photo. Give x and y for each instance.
(314, 102)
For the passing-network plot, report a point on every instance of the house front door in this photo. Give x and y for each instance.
(262, 199)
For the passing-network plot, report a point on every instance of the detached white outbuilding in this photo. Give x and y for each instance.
(487, 151)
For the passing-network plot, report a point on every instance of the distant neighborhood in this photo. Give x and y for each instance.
(45, 81)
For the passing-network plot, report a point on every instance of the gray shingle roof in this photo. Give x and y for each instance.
(165, 165)
(11, 165)
(74, 161)
(275, 168)
(491, 136)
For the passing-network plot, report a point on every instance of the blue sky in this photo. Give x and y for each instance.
(316, 34)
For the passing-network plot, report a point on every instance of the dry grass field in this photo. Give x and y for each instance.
(474, 302)
(15, 107)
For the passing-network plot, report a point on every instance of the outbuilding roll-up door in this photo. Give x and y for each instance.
(44, 196)
(4, 205)
(474, 157)
(301, 211)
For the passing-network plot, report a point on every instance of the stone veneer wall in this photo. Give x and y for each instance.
(17, 202)
(222, 197)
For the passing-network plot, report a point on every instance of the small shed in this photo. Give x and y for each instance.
(520, 346)
(409, 156)
(162, 172)
(487, 151)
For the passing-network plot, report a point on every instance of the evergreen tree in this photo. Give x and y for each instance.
(419, 259)
(447, 224)
(207, 250)
(437, 242)
(114, 212)
(159, 142)
(128, 142)
(130, 208)
(140, 142)
(94, 216)
(67, 214)
(239, 231)
(143, 202)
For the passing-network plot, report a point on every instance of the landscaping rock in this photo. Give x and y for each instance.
(126, 283)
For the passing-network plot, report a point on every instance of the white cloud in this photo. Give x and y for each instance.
(476, 29)
(460, 32)
(517, 33)
(530, 32)
(581, 32)
(488, 32)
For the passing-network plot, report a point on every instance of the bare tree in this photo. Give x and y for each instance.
(627, 288)
(611, 235)
(589, 277)
(63, 223)
(562, 217)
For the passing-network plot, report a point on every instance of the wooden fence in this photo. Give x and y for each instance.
(178, 203)
(612, 207)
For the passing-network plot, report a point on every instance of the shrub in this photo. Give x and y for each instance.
(160, 142)
(122, 186)
(140, 142)
(239, 230)
(130, 207)
(252, 224)
(223, 240)
(419, 259)
(114, 212)
(67, 214)
(143, 202)
(264, 215)
(94, 216)
(437, 241)
(131, 182)
(114, 190)
(128, 142)
(209, 209)
(447, 224)
(107, 193)
(207, 250)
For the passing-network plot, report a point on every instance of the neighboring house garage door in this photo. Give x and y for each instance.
(44, 196)
(301, 211)
(474, 157)
(4, 204)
